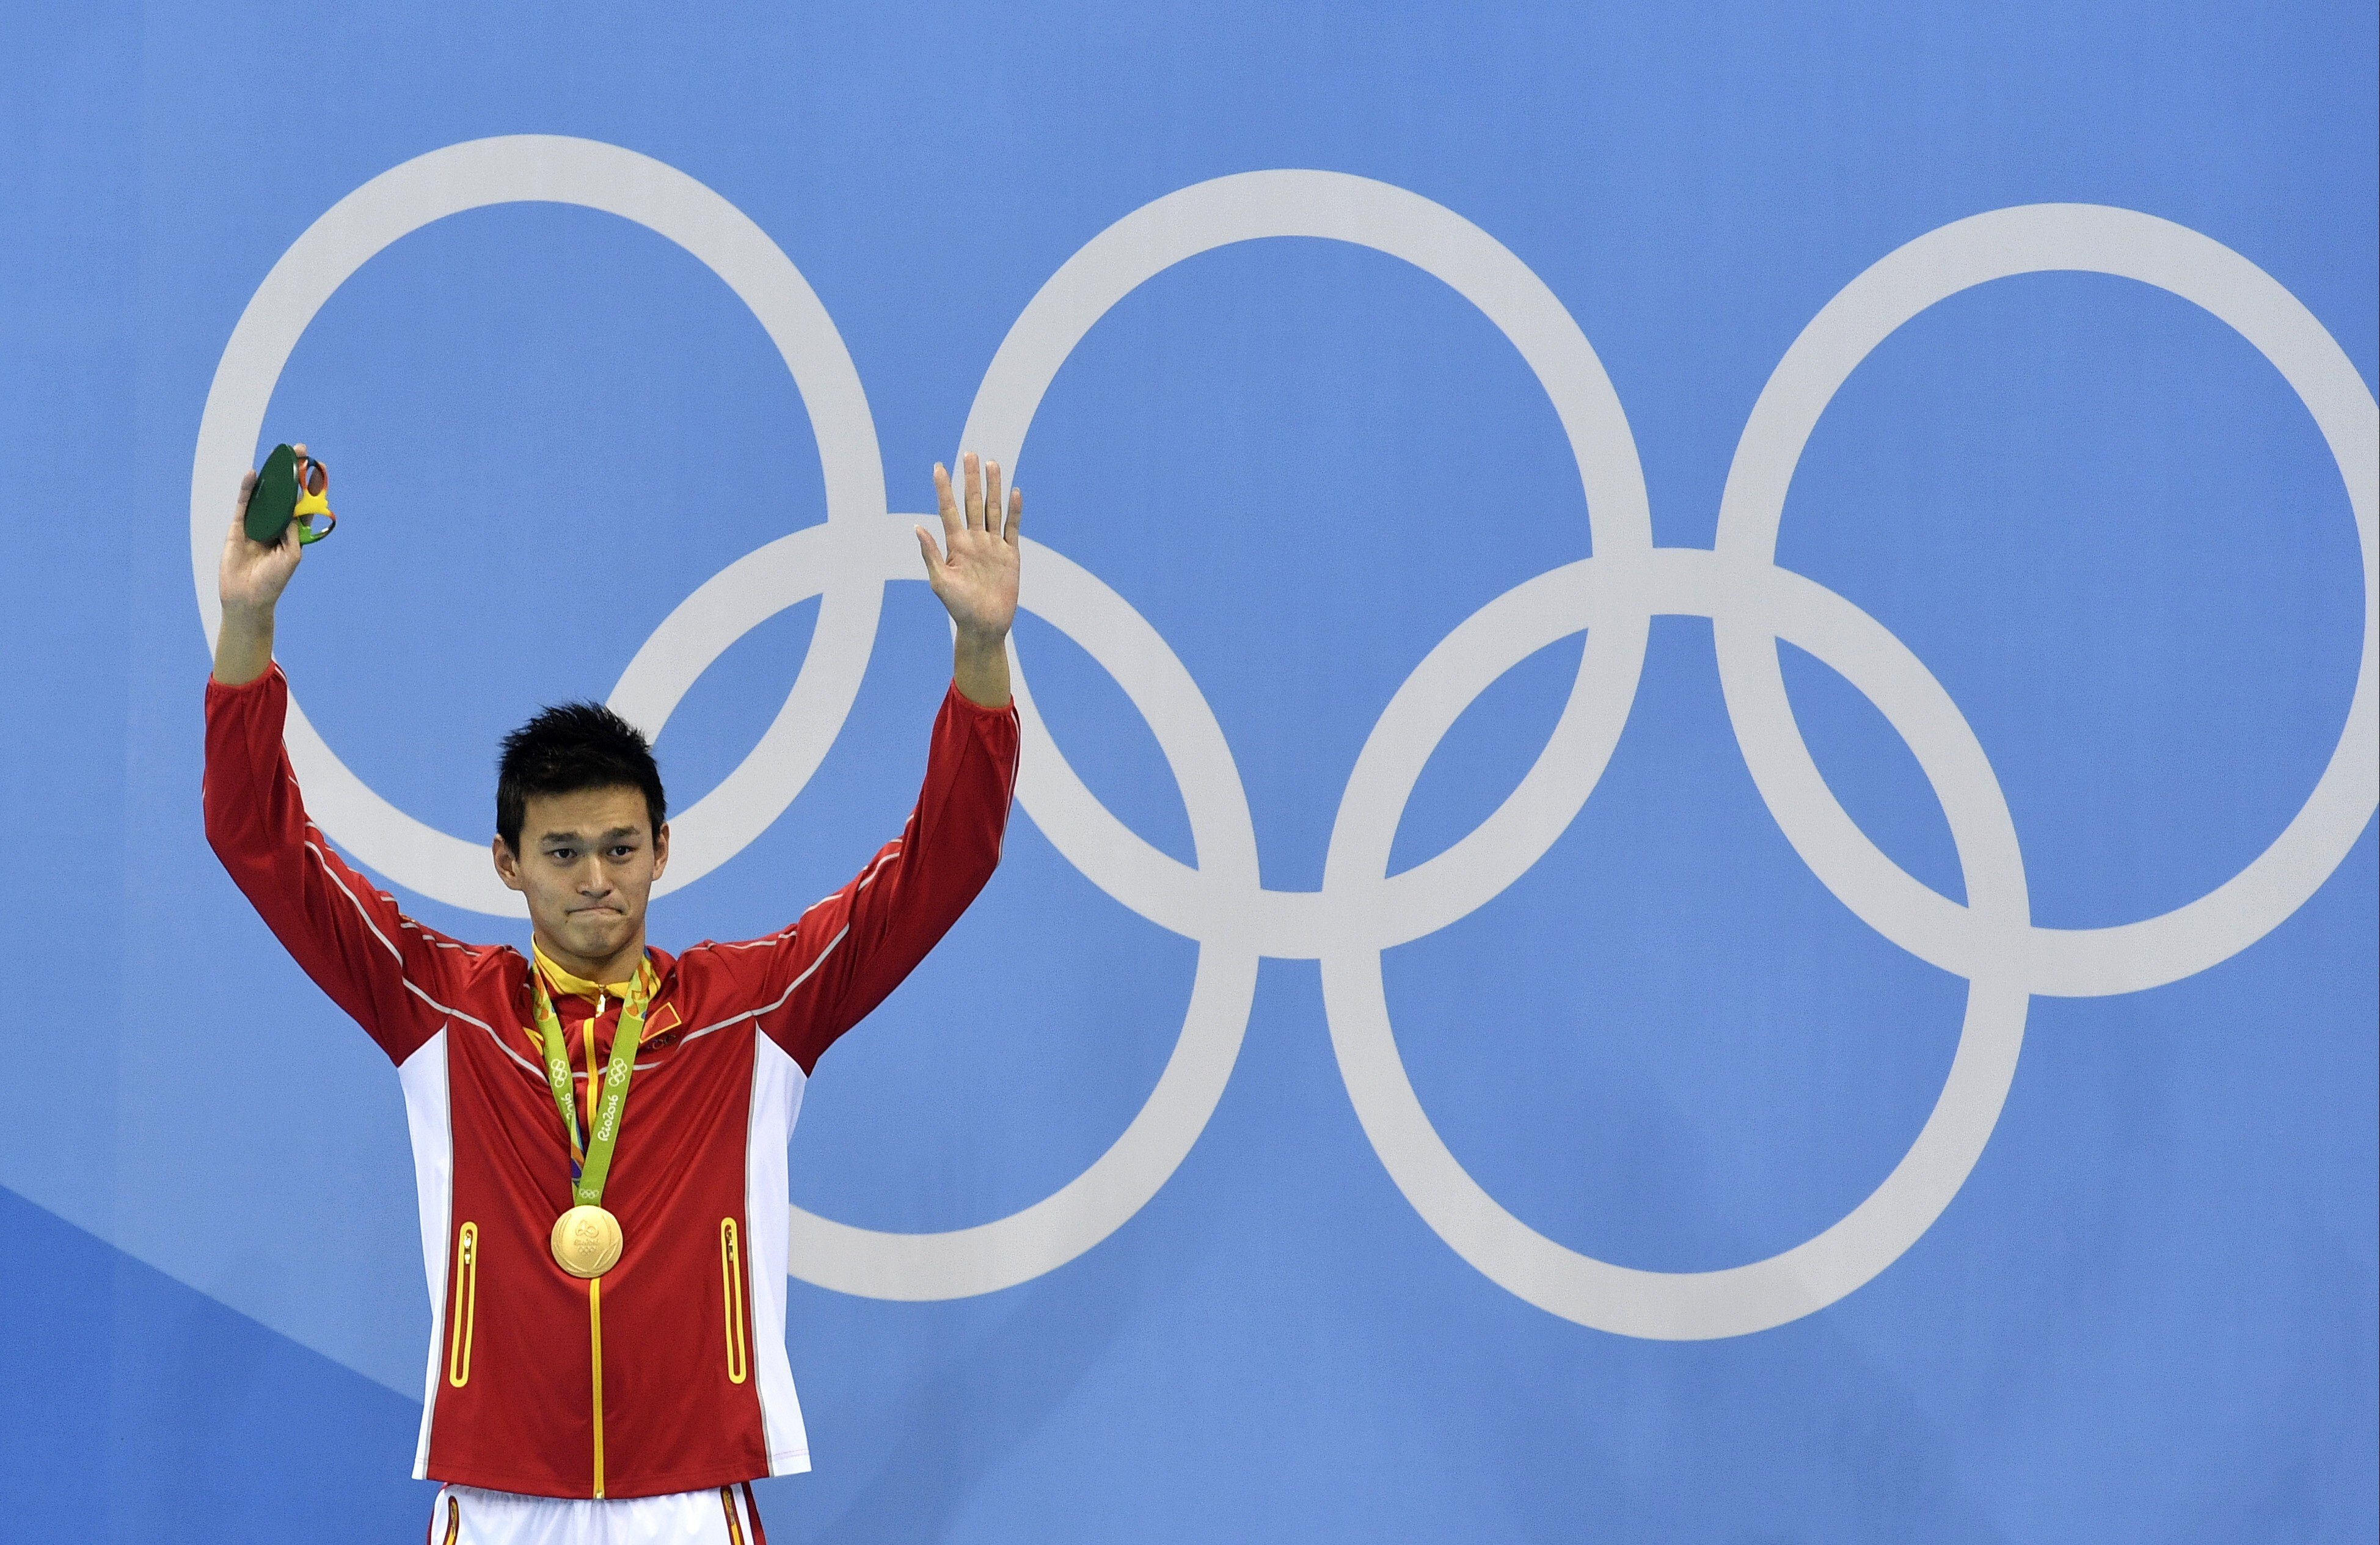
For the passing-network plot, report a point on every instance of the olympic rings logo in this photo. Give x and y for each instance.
(1361, 908)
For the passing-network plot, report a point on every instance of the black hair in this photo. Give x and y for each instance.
(568, 747)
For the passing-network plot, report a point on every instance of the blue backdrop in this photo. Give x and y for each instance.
(1962, 1129)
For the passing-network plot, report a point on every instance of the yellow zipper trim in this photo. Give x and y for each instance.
(454, 1518)
(735, 1529)
(595, 1341)
(466, 1306)
(731, 1288)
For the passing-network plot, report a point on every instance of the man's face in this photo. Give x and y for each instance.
(586, 864)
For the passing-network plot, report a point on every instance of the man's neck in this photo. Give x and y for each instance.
(620, 966)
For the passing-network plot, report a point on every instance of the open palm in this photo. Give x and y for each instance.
(975, 577)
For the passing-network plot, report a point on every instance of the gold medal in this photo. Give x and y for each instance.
(587, 1241)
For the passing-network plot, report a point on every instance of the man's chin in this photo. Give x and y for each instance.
(596, 937)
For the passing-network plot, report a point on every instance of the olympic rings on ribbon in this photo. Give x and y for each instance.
(1361, 909)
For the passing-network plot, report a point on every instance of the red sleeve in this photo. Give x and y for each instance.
(391, 974)
(819, 977)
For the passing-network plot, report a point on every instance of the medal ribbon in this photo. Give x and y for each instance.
(590, 1161)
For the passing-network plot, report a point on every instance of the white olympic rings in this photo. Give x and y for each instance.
(1361, 910)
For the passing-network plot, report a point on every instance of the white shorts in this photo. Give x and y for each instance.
(467, 1516)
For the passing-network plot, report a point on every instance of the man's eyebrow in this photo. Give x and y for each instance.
(615, 831)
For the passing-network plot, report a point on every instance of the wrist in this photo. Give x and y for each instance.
(243, 645)
(979, 668)
(981, 640)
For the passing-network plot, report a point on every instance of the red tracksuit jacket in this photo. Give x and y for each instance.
(668, 1373)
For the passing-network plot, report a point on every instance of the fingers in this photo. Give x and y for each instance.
(931, 554)
(947, 503)
(980, 509)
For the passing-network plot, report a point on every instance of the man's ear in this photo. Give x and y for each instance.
(507, 866)
(660, 851)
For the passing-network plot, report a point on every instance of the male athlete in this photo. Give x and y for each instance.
(608, 1362)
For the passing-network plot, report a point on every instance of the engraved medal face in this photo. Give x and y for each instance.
(587, 1241)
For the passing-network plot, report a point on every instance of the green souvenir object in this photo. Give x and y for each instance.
(290, 488)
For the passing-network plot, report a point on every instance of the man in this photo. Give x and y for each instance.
(608, 1361)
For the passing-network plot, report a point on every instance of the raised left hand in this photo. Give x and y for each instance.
(976, 579)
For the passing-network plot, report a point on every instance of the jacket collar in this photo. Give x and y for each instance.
(562, 981)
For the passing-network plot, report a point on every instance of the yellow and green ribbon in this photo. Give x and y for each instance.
(590, 1158)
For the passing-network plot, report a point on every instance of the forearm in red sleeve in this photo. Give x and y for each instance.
(347, 935)
(850, 950)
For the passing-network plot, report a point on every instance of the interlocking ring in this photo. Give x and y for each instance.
(1613, 595)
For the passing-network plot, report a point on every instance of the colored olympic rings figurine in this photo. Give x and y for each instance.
(290, 488)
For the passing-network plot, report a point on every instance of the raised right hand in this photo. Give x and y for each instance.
(251, 579)
(252, 574)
